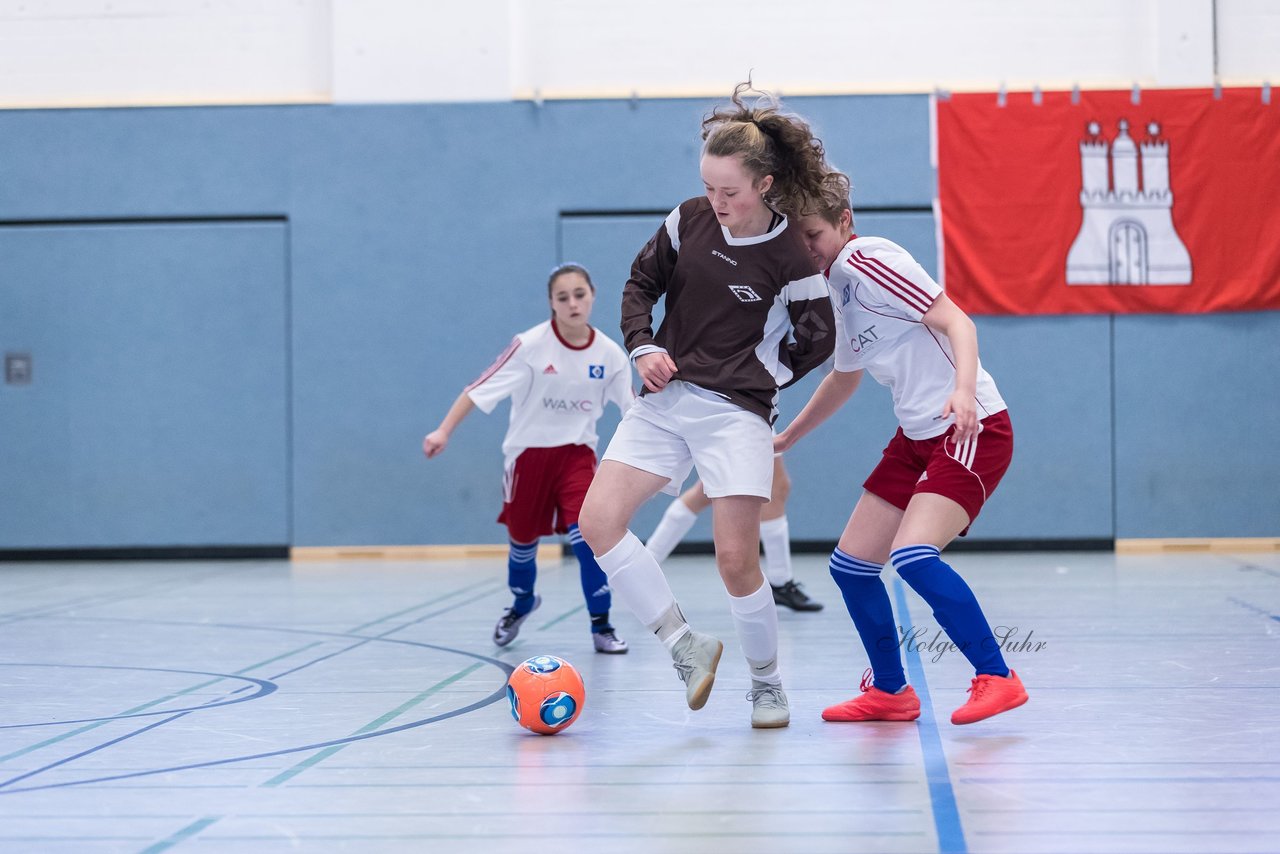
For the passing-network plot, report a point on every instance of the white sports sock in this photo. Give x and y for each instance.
(756, 618)
(775, 536)
(637, 581)
(675, 523)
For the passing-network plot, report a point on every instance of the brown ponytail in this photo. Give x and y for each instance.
(770, 142)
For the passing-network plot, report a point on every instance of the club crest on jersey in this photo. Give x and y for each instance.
(744, 293)
(844, 296)
(595, 372)
(550, 369)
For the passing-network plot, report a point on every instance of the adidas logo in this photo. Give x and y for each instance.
(550, 369)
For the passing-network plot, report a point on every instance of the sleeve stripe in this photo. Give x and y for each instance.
(673, 229)
(810, 287)
(497, 365)
(894, 274)
(909, 299)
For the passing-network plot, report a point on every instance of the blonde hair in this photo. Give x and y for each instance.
(770, 142)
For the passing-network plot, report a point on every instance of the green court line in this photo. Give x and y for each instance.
(449, 595)
(57, 738)
(186, 833)
(373, 725)
(563, 616)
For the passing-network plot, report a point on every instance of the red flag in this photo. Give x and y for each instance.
(1171, 205)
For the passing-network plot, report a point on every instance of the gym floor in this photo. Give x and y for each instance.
(360, 706)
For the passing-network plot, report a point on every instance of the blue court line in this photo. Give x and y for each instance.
(129, 713)
(946, 815)
(90, 750)
(185, 833)
(107, 597)
(372, 638)
(449, 595)
(297, 769)
(497, 696)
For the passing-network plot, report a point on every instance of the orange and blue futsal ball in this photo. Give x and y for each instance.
(546, 694)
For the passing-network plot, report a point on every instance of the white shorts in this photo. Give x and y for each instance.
(669, 432)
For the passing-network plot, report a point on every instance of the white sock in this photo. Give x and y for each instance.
(756, 618)
(675, 523)
(775, 536)
(637, 582)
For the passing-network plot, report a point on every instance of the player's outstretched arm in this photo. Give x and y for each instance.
(835, 389)
(437, 439)
(946, 317)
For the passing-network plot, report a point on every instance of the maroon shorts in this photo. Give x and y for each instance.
(544, 490)
(967, 474)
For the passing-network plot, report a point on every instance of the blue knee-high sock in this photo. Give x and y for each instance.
(953, 604)
(522, 571)
(595, 584)
(867, 600)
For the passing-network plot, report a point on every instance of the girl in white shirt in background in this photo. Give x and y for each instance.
(559, 376)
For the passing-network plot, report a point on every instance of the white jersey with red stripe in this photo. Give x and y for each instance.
(881, 293)
(558, 392)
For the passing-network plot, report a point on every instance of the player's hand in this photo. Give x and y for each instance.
(782, 442)
(434, 443)
(656, 369)
(961, 405)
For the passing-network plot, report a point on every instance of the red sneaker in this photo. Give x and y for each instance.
(990, 695)
(875, 705)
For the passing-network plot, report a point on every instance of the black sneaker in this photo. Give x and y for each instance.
(509, 623)
(791, 596)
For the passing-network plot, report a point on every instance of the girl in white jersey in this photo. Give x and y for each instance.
(746, 313)
(953, 446)
(559, 376)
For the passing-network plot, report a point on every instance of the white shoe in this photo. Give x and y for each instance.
(769, 708)
(509, 623)
(608, 642)
(696, 656)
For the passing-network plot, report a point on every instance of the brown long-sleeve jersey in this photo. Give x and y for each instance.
(744, 316)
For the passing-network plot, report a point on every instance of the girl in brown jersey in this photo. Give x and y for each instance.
(746, 314)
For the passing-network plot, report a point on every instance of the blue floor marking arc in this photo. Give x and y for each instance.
(497, 696)
(946, 815)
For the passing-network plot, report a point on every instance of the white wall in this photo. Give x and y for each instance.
(127, 52)
(1249, 40)
(122, 52)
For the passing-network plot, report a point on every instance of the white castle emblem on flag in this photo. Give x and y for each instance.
(1127, 236)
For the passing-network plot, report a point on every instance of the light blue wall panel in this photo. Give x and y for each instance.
(413, 270)
(188, 162)
(1197, 420)
(157, 414)
(419, 241)
(1055, 375)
